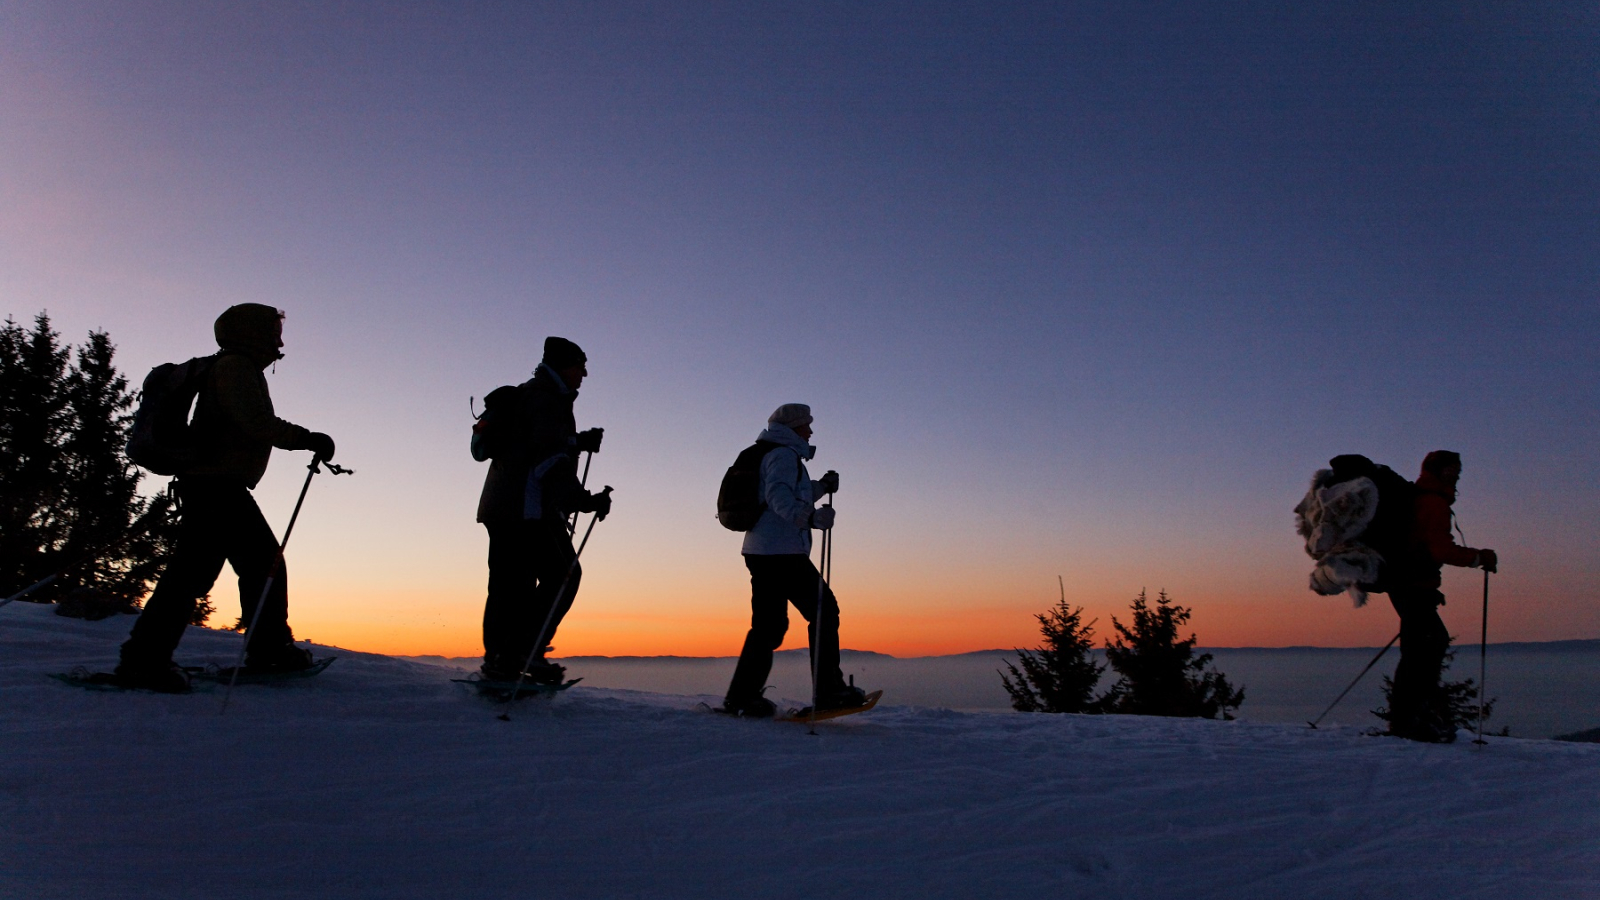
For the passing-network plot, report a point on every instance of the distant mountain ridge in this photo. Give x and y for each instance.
(1567, 646)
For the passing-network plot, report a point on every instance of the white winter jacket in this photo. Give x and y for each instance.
(785, 525)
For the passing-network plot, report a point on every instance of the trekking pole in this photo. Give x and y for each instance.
(1347, 690)
(1483, 660)
(272, 574)
(30, 588)
(816, 624)
(544, 630)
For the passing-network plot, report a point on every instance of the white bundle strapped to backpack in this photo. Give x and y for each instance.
(1332, 518)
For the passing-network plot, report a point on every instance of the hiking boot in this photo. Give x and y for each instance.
(545, 672)
(283, 658)
(750, 707)
(491, 671)
(165, 678)
(842, 697)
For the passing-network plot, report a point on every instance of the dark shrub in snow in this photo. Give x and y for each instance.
(1059, 677)
(1159, 674)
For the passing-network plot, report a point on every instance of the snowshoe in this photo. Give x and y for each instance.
(513, 688)
(83, 677)
(247, 675)
(805, 714)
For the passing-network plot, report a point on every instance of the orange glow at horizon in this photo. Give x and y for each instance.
(433, 623)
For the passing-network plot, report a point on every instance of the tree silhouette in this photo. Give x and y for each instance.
(69, 499)
(1061, 676)
(1159, 674)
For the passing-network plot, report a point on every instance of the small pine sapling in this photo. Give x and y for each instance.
(1454, 706)
(1160, 675)
(1061, 676)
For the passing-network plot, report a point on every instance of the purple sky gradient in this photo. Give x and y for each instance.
(1087, 289)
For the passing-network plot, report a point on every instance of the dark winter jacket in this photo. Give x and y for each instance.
(235, 423)
(534, 471)
(1435, 547)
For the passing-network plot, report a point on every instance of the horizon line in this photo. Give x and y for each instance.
(1013, 650)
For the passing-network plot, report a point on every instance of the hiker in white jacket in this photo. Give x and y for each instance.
(777, 551)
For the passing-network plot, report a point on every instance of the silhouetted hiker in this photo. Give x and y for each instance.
(532, 488)
(1418, 707)
(777, 551)
(235, 430)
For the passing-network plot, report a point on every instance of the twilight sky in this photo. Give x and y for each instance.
(1086, 289)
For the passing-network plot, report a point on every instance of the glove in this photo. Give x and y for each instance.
(829, 483)
(320, 445)
(599, 504)
(822, 517)
(589, 441)
(1488, 561)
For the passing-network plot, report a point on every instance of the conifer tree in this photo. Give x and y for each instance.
(1061, 676)
(1159, 674)
(33, 416)
(69, 498)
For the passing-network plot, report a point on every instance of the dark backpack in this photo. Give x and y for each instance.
(491, 427)
(739, 500)
(162, 439)
(1390, 531)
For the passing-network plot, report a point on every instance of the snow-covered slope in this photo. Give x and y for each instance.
(382, 779)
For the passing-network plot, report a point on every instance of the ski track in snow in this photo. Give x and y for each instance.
(380, 778)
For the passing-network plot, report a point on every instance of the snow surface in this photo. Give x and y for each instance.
(382, 779)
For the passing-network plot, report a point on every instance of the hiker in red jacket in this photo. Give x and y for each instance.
(1417, 707)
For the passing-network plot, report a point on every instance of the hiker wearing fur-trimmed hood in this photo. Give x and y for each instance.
(254, 329)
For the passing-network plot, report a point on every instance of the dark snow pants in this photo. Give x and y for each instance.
(529, 561)
(219, 522)
(776, 582)
(1417, 698)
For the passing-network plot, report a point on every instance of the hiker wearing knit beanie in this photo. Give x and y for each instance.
(777, 551)
(530, 438)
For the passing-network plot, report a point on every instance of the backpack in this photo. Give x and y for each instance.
(162, 440)
(739, 500)
(490, 427)
(1357, 521)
